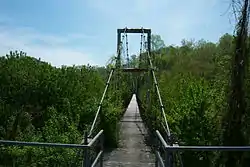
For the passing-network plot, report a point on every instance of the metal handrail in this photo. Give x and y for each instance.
(41, 144)
(86, 147)
(159, 159)
(168, 149)
(163, 142)
(95, 138)
(104, 93)
(98, 157)
(158, 91)
(200, 148)
(100, 104)
(159, 96)
(208, 148)
(163, 162)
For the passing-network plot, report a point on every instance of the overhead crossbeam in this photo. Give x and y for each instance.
(135, 69)
(134, 30)
(131, 30)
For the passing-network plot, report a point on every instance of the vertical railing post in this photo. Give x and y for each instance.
(169, 154)
(156, 149)
(166, 158)
(86, 151)
(102, 149)
(14, 163)
(171, 159)
(166, 152)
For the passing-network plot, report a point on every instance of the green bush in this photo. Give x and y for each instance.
(42, 103)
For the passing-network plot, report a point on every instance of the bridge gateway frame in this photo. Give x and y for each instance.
(119, 43)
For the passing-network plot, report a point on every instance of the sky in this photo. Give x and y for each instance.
(67, 32)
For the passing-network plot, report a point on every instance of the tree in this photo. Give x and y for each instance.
(134, 61)
(232, 122)
(41, 103)
(157, 42)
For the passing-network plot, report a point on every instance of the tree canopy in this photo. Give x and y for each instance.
(157, 42)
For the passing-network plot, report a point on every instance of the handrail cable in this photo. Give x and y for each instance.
(103, 96)
(127, 51)
(157, 90)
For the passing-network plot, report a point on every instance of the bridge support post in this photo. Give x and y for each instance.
(168, 159)
(102, 149)
(157, 144)
(169, 154)
(86, 160)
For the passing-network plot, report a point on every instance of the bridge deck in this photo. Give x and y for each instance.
(132, 151)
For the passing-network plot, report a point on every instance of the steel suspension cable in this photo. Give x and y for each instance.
(123, 46)
(140, 52)
(127, 50)
(143, 43)
(100, 104)
(157, 90)
(103, 95)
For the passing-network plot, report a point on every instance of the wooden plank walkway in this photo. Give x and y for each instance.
(132, 151)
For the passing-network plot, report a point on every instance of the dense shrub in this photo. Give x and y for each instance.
(42, 103)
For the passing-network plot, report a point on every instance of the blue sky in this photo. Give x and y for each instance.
(84, 31)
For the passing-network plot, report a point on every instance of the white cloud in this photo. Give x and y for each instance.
(53, 49)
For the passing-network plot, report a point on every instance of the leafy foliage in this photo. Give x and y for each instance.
(194, 84)
(42, 103)
(157, 42)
